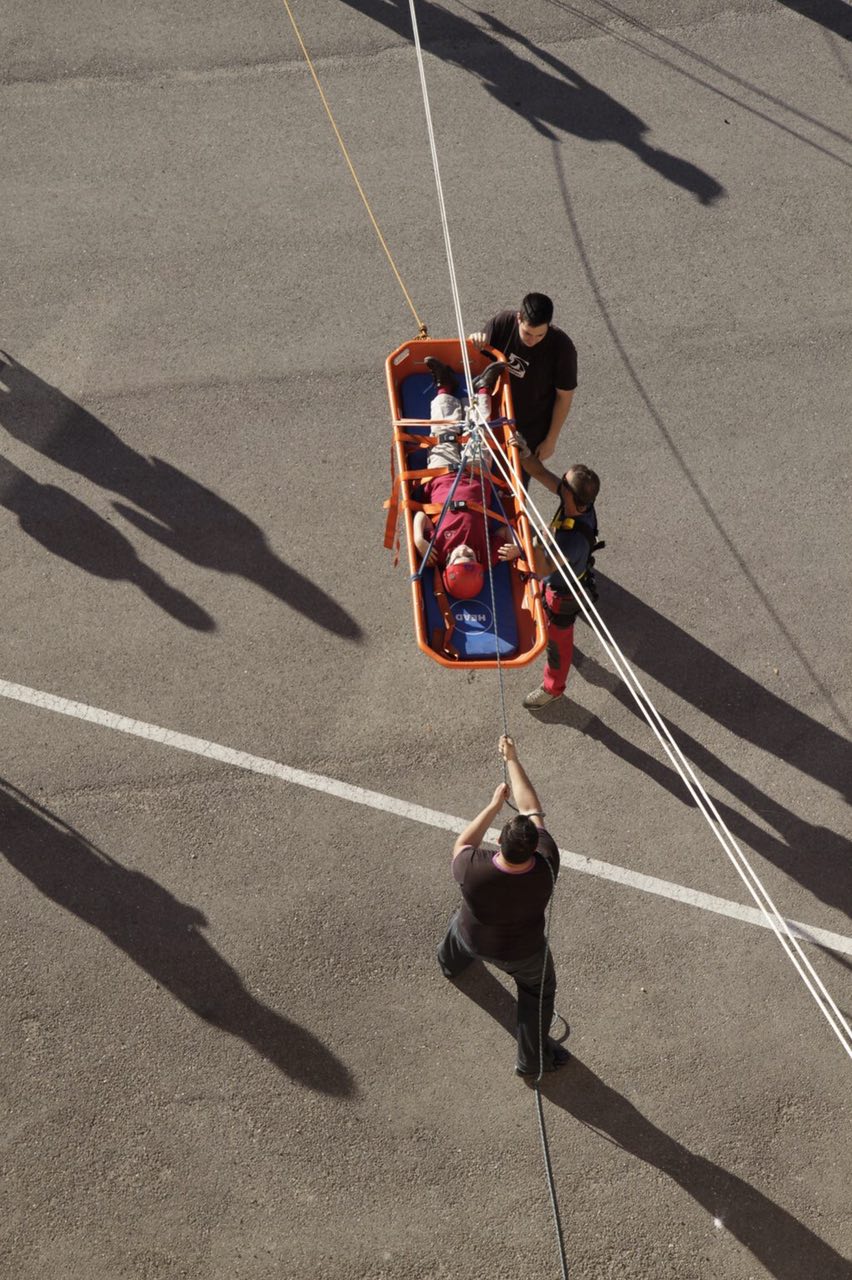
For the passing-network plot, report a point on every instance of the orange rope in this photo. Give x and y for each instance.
(422, 332)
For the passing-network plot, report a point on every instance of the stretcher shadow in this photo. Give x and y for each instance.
(743, 706)
(781, 1243)
(815, 856)
(809, 853)
(159, 500)
(161, 935)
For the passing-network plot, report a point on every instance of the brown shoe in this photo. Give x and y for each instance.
(539, 698)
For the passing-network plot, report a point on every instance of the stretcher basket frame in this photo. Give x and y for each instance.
(409, 358)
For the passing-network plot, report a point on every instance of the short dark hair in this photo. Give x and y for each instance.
(537, 309)
(519, 839)
(584, 483)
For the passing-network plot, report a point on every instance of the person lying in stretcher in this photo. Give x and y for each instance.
(459, 545)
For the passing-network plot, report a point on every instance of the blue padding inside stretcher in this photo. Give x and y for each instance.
(417, 393)
(473, 635)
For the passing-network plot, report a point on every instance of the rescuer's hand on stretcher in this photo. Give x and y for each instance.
(520, 444)
(508, 551)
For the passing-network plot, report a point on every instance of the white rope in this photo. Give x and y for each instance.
(476, 416)
(487, 541)
(442, 206)
(779, 925)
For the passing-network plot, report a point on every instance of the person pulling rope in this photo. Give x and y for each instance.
(502, 918)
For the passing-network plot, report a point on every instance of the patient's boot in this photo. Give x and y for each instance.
(487, 380)
(445, 379)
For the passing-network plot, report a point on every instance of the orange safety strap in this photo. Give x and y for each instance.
(424, 473)
(433, 508)
(431, 472)
(441, 641)
(422, 441)
(393, 505)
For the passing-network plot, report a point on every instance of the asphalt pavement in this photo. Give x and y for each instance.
(227, 1051)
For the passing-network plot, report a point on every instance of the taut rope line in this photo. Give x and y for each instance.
(477, 421)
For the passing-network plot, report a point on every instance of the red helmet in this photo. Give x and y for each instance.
(464, 579)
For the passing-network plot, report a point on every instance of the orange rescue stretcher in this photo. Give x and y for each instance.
(460, 633)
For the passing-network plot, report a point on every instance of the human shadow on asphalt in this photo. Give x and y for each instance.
(160, 934)
(783, 1245)
(780, 1242)
(69, 529)
(564, 103)
(168, 505)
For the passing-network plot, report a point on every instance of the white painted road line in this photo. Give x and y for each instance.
(403, 809)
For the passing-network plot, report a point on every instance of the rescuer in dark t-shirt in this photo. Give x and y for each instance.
(543, 365)
(502, 919)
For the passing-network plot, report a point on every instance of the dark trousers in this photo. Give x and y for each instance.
(454, 955)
